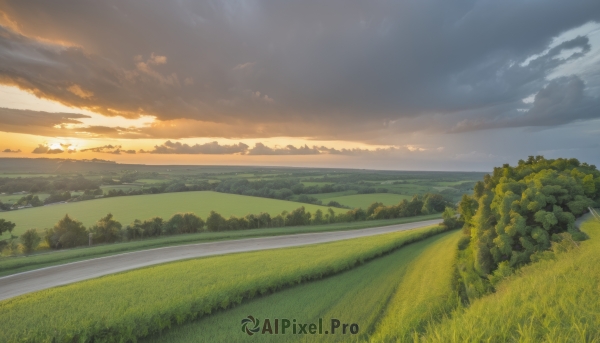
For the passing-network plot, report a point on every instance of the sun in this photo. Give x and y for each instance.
(55, 146)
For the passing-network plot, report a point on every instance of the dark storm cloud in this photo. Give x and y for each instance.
(58, 124)
(339, 65)
(562, 101)
(37, 122)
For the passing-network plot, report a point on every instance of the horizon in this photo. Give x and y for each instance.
(97, 160)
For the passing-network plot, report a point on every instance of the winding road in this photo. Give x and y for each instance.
(39, 279)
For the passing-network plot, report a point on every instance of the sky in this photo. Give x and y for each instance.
(378, 84)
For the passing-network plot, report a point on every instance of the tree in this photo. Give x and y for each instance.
(372, 207)
(153, 227)
(215, 222)
(522, 209)
(67, 233)
(330, 216)
(318, 218)
(433, 203)
(191, 223)
(106, 230)
(30, 240)
(6, 226)
(134, 230)
(467, 208)
(298, 217)
(449, 217)
(264, 219)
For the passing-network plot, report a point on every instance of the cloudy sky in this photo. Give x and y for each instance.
(422, 84)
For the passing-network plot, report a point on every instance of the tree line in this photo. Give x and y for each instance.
(69, 232)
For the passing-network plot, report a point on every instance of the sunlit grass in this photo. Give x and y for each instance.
(136, 303)
(357, 296)
(547, 301)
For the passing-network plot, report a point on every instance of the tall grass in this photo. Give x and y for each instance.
(425, 294)
(548, 301)
(355, 296)
(137, 303)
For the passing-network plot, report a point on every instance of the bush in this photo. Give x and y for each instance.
(11, 248)
(67, 233)
(216, 222)
(106, 230)
(30, 240)
(463, 242)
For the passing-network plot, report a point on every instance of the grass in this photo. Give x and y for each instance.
(128, 208)
(357, 296)
(133, 304)
(12, 265)
(424, 295)
(321, 196)
(151, 181)
(364, 200)
(548, 301)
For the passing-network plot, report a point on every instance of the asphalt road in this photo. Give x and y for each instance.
(39, 279)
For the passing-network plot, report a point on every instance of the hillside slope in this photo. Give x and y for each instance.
(548, 301)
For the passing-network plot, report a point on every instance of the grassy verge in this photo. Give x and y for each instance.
(19, 264)
(424, 295)
(548, 301)
(133, 304)
(357, 296)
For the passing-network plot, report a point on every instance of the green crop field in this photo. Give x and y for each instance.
(145, 301)
(127, 209)
(416, 278)
(364, 200)
(547, 301)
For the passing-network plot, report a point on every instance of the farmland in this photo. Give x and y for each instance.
(127, 209)
(160, 296)
(360, 295)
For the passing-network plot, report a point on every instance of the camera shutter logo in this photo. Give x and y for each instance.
(250, 325)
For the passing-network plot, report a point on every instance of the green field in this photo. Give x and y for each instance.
(152, 299)
(127, 209)
(547, 301)
(421, 272)
(364, 200)
(17, 264)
